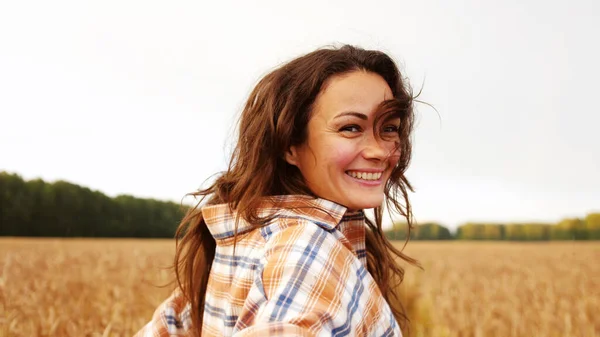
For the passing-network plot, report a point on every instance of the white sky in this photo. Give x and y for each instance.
(139, 97)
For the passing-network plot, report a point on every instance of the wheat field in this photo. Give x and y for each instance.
(110, 287)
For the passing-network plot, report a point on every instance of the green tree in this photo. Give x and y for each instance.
(37, 208)
(432, 231)
(569, 229)
(592, 224)
(493, 232)
(471, 231)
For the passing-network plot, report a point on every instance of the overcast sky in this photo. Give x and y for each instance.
(139, 97)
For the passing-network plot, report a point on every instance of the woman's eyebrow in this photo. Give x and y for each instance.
(352, 113)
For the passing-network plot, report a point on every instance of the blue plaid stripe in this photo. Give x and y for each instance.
(357, 292)
(219, 313)
(236, 261)
(172, 320)
(286, 298)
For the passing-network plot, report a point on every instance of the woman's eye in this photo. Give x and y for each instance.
(391, 128)
(351, 128)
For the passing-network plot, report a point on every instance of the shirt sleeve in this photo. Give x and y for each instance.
(312, 286)
(171, 318)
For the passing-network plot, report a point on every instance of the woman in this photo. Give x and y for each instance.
(282, 245)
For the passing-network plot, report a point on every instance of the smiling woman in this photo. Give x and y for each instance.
(280, 244)
(347, 157)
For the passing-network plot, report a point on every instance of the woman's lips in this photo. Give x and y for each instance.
(366, 178)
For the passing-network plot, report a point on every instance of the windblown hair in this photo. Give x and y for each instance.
(275, 118)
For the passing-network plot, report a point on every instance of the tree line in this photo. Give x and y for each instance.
(587, 228)
(63, 209)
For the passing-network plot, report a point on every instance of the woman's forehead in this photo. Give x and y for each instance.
(358, 91)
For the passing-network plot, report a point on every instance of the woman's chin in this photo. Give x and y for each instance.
(364, 203)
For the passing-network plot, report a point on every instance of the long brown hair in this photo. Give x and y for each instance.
(275, 118)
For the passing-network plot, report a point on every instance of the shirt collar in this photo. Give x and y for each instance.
(221, 219)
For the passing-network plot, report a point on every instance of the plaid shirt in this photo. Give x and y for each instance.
(303, 274)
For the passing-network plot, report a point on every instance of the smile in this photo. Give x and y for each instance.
(369, 176)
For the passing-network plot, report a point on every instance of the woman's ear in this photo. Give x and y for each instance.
(291, 156)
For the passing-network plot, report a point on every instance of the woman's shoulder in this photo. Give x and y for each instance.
(308, 276)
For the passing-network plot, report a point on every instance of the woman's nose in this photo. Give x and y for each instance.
(374, 148)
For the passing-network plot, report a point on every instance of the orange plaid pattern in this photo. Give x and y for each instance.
(303, 274)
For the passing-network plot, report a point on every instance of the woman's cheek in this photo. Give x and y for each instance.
(343, 155)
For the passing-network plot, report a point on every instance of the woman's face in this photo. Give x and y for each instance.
(343, 160)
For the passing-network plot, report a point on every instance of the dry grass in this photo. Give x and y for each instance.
(504, 289)
(57, 287)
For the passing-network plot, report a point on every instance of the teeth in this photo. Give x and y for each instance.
(365, 175)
